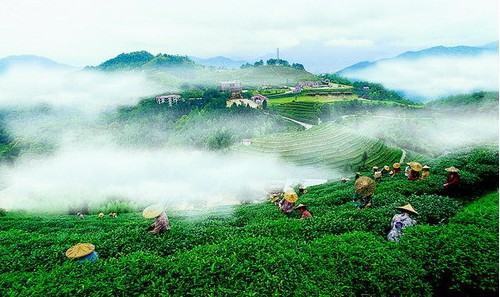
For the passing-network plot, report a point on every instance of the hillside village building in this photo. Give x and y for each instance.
(171, 99)
(232, 86)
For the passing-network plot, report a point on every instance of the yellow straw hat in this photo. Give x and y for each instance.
(396, 165)
(152, 211)
(416, 166)
(365, 186)
(408, 207)
(452, 169)
(291, 196)
(80, 250)
(386, 168)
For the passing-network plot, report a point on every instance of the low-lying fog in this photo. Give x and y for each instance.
(88, 167)
(180, 179)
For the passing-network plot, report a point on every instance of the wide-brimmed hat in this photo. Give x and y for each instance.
(452, 169)
(396, 165)
(80, 250)
(386, 168)
(426, 167)
(300, 206)
(364, 186)
(415, 166)
(152, 211)
(375, 167)
(408, 207)
(291, 196)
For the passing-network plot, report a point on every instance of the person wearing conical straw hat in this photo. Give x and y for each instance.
(304, 212)
(386, 170)
(425, 172)
(82, 252)
(453, 179)
(400, 221)
(289, 199)
(364, 189)
(415, 169)
(396, 168)
(161, 223)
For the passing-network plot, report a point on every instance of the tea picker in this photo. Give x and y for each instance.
(286, 205)
(415, 169)
(364, 189)
(304, 212)
(161, 223)
(401, 221)
(82, 252)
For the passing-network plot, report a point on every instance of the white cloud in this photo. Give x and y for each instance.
(85, 90)
(86, 32)
(349, 42)
(434, 77)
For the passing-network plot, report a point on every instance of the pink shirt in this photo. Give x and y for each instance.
(161, 224)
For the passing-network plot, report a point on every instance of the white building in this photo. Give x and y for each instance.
(171, 99)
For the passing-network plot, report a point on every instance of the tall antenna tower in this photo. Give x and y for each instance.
(278, 53)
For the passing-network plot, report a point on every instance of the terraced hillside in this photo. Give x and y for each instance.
(308, 112)
(328, 145)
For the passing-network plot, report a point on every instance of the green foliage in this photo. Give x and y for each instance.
(3, 212)
(117, 205)
(478, 101)
(257, 251)
(221, 139)
(126, 61)
(143, 59)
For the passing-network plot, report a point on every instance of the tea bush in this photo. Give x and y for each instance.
(258, 251)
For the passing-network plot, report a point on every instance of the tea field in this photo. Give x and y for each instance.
(257, 251)
(327, 145)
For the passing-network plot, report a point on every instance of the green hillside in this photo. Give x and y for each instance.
(481, 101)
(328, 145)
(341, 251)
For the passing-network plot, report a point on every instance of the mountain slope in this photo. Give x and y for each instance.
(219, 62)
(29, 61)
(437, 51)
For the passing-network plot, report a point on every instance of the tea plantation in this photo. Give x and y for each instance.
(257, 251)
(328, 145)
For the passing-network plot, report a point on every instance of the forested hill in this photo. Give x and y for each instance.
(487, 101)
(144, 60)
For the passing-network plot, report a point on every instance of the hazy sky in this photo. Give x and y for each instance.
(89, 31)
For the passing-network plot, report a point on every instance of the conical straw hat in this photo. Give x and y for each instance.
(452, 169)
(396, 165)
(426, 167)
(152, 211)
(416, 166)
(386, 168)
(364, 186)
(299, 206)
(80, 250)
(291, 196)
(408, 207)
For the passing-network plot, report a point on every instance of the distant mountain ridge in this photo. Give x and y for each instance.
(219, 62)
(437, 51)
(30, 61)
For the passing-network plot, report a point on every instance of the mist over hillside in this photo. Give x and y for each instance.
(435, 72)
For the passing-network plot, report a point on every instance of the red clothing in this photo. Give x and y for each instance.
(306, 214)
(414, 175)
(396, 170)
(453, 179)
